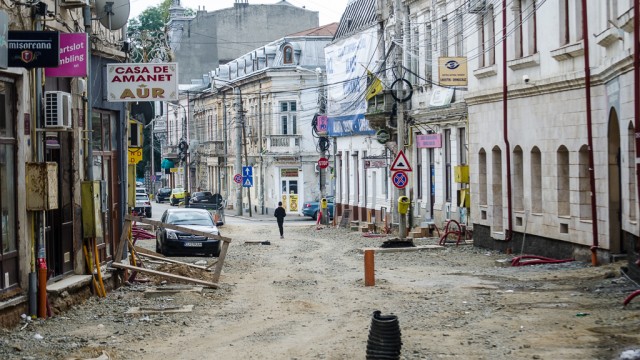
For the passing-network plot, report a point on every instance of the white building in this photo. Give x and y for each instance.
(530, 163)
(258, 114)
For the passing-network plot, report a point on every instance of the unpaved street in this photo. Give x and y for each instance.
(303, 297)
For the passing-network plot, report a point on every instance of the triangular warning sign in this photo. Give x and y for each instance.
(401, 163)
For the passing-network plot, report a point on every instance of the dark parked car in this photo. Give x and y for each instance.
(205, 199)
(169, 241)
(311, 208)
(163, 194)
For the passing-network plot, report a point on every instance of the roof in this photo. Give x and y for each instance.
(359, 15)
(324, 30)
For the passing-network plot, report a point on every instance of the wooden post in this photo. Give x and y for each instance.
(369, 267)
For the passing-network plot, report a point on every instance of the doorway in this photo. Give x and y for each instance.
(616, 245)
(290, 198)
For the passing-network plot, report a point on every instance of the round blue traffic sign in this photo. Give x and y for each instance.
(400, 179)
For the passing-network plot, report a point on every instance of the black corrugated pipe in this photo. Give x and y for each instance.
(384, 337)
(587, 89)
(505, 121)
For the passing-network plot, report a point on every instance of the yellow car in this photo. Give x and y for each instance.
(177, 195)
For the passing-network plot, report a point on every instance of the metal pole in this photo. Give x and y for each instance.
(260, 149)
(153, 168)
(238, 120)
(402, 223)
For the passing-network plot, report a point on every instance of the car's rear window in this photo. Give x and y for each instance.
(190, 218)
(141, 197)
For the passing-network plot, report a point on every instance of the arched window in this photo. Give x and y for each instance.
(288, 54)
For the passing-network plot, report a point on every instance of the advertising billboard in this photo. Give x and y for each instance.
(347, 62)
(142, 82)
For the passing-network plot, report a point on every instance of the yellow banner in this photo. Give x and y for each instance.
(135, 155)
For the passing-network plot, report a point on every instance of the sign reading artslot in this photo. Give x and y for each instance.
(142, 82)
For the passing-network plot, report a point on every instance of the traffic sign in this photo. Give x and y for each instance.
(247, 171)
(237, 178)
(401, 163)
(323, 163)
(247, 181)
(400, 179)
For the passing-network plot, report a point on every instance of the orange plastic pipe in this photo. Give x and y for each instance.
(369, 267)
(42, 293)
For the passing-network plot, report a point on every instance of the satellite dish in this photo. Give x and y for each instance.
(113, 14)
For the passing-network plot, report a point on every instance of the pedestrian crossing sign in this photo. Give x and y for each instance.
(247, 181)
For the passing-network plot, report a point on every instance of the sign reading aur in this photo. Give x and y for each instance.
(142, 82)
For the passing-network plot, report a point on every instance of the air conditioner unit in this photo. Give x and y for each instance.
(476, 6)
(57, 110)
(74, 3)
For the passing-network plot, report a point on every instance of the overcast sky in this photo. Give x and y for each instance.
(329, 10)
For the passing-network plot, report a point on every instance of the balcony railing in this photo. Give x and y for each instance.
(283, 143)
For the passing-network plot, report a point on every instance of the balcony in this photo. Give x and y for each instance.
(213, 148)
(380, 108)
(283, 144)
(170, 152)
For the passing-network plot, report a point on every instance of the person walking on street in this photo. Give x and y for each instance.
(280, 213)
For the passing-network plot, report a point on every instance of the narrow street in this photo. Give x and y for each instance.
(303, 297)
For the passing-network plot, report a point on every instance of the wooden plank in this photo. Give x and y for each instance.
(146, 253)
(124, 239)
(164, 274)
(403, 249)
(175, 227)
(223, 254)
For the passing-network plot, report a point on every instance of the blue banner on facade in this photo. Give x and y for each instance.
(349, 125)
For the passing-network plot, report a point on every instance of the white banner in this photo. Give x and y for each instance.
(142, 82)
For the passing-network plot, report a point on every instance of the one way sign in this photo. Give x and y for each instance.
(247, 176)
(401, 163)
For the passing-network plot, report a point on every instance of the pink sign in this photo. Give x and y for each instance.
(322, 124)
(73, 56)
(429, 141)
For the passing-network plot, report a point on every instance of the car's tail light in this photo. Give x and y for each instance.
(147, 203)
(307, 205)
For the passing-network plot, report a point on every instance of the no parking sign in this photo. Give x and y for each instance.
(400, 179)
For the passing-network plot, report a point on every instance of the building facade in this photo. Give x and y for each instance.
(209, 39)
(547, 127)
(258, 114)
(54, 137)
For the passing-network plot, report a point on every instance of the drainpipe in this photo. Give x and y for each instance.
(505, 122)
(587, 89)
(636, 95)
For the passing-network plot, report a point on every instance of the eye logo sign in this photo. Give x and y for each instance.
(452, 64)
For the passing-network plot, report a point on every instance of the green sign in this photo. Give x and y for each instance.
(382, 136)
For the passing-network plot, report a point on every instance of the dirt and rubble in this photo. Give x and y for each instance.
(303, 297)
